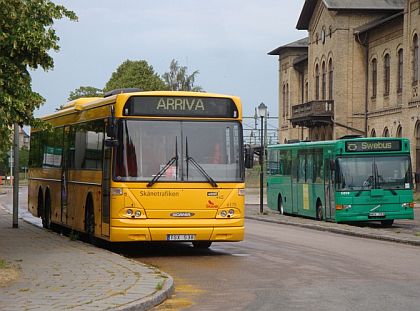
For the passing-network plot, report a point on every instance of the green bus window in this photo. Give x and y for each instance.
(309, 168)
(301, 166)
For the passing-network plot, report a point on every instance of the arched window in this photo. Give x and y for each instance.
(373, 133)
(324, 81)
(387, 74)
(374, 77)
(386, 132)
(400, 70)
(317, 82)
(287, 99)
(415, 59)
(284, 101)
(330, 79)
(399, 131)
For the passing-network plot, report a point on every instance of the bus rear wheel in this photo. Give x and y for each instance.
(201, 244)
(387, 222)
(46, 216)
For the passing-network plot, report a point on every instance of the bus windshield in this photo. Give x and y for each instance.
(191, 151)
(380, 172)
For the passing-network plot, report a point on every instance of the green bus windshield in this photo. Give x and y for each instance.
(373, 172)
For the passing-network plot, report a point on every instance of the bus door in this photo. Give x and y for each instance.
(65, 175)
(329, 189)
(106, 190)
(295, 185)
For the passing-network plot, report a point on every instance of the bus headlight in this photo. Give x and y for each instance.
(231, 212)
(137, 213)
(129, 212)
(223, 213)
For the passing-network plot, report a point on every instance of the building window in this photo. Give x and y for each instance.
(284, 101)
(399, 131)
(330, 79)
(317, 82)
(374, 77)
(400, 71)
(287, 99)
(373, 133)
(387, 75)
(385, 133)
(306, 91)
(324, 81)
(415, 59)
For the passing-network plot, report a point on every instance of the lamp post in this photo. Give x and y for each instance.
(262, 111)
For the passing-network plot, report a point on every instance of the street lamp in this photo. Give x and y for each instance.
(262, 111)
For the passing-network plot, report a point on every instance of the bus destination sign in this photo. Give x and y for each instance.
(373, 146)
(181, 106)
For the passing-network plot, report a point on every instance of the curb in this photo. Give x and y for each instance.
(146, 303)
(338, 231)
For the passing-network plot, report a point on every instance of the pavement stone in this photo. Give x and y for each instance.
(59, 274)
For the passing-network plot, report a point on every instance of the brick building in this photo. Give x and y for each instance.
(356, 72)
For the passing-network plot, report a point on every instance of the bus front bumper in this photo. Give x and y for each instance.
(215, 234)
(349, 217)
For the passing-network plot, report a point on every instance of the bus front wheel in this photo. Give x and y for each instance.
(90, 221)
(319, 212)
(201, 244)
(280, 205)
(387, 222)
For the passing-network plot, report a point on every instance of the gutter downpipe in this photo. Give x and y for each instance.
(365, 45)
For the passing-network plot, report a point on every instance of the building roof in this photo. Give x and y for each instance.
(302, 43)
(336, 5)
(376, 23)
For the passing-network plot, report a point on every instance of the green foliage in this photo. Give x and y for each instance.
(26, 37)
(23, 157)
(85, 91)
(135, 74)
(177, 79)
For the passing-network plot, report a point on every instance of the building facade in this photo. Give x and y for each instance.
(356, 72)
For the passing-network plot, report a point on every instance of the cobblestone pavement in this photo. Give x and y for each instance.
(403, 231)
(56, 273)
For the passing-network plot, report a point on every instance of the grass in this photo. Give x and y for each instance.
(159, 286)
(3, 264)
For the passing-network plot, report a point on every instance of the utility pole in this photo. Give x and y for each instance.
(15, 175)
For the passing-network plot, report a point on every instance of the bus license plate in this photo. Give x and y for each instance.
(180, 237)
(376, 214)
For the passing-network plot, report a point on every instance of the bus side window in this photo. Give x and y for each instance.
(301, 166)
(309, 168)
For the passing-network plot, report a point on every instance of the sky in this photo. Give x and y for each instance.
(227, 41)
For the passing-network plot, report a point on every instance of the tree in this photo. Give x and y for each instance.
(85, 91)
(26, 37)
(135, 74)
(177, 79)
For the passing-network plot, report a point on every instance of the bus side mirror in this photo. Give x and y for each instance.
(249, 157)
(111, 129)
(332, 165)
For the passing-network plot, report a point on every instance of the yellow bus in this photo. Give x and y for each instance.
(142, 166)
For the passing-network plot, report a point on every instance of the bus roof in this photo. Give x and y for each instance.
(345, 145)
(85, 103)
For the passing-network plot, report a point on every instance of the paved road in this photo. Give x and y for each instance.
(279, 267)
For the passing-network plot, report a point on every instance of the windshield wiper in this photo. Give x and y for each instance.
(167, 166)
(198, 166)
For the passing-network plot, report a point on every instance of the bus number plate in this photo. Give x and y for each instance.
(376, 214)
(180, 237)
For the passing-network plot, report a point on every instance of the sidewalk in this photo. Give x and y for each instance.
(403, 231)
(56, 273)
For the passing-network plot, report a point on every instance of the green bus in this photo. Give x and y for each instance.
(346, 180)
